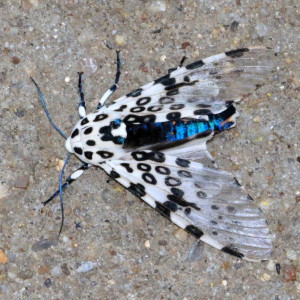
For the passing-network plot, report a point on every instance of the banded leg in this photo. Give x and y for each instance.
(81, 105)
(76, 174)
(113, 88)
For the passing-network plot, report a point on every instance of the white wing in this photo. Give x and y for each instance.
(206, 202)
(207, 85)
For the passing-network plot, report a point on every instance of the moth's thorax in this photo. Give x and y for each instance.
(98, 137)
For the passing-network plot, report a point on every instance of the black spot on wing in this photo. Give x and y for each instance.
(121, 108)
(149, 178)
(165, 80)
(137, 109)
(100, 117)
(75, 133)
(88, 130)
(105, 154)
(78, 150)
(200, 112)
(179, 85)
(171, 205)
(137, 189)
(194, 231)
(173, 92)
(172, 181)
(176, 106)
(194, 65)
(84, 121)
(163, 210)
(162, 170)
(232, 251)
(135, 93)
(177, 192)
(91, 143)
(127, 167)
(184, 173)
(114, 174)
(154, 108)
(173, 116)
(183, 162)
(187, 211)
(201, 194)
(144, 167)
(166, 100)
(154, 156)
(88, 154)
(237, 52)
(143, 101)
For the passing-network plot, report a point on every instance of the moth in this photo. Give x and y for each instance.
(153, 142)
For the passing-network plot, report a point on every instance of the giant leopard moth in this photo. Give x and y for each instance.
(149, 141)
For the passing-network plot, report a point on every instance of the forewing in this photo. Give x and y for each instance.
(207, 85)
(206, 202)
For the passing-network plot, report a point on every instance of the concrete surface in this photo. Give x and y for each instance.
(124, 249)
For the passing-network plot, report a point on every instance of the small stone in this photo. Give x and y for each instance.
(184, 45)
(291, 254)
(289, 273)
(111, 282)
(56, 271)
(195, 252)
(162, 243)
(21, 182)
(265, 277)
(120, 39)
(147, 244)
(225, 265)
(261, 29)
(48, 282)
(158, 6)
(89, 65)
(256, 119)
(224, 282)
(43, 270)
(86, 266)
(15, 60)
(180, 234)
(27, 274)
(43, 245)
(271, 265)
(4, 192)
(163, 57)
(65, 269)
(85, 36)
(3, 257)
(59, 165)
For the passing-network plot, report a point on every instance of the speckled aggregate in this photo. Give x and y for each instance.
(51, 42)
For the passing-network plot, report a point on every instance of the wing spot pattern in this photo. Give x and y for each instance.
(172, 181)
(166, 100)
(162, 170)
(149, 178)
(194, 231)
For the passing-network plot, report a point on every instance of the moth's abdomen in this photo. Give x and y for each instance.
(151, 135)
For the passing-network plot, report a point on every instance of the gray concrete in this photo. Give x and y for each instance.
(133, 252)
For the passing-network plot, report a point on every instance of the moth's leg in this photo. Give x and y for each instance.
(113, 88)
(75, 175)
(81, 105)
(179, 66)
(182, 61)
